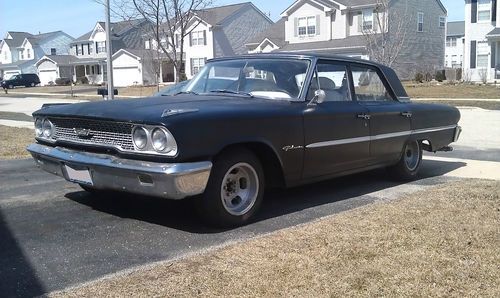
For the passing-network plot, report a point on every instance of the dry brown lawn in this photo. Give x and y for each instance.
(14, 142)
(440, 242)
(488, 105)
(451, 91)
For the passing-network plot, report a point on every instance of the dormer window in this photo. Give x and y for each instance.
(307, 26)
(28, 53)
(367, 20)
(198, 38)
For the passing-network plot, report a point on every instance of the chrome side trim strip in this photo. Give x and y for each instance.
(434, 129)
(339, 142)
(379, 137)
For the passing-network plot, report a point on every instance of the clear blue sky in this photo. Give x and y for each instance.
(76, 17)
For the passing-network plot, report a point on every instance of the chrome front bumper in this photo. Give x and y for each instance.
(167, 180)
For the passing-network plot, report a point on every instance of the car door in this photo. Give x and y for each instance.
(337, 130)
(390, 120)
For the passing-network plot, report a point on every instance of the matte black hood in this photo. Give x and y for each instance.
(150, 110)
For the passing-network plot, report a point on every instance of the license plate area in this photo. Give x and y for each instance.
(79, 175)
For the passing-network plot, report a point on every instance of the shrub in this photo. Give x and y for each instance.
(419, 77)
(428, 77)
(440, 76)
(63, 81)
(82, 80)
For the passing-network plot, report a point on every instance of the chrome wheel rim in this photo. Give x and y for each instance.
(239, 189)
(412, 155)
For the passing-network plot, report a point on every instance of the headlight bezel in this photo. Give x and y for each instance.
(169, 148)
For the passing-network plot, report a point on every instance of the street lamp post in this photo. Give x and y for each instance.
(109, 53)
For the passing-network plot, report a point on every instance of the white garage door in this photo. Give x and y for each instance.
(126, 76)
(47, 75)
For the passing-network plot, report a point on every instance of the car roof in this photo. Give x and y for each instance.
(301, 55)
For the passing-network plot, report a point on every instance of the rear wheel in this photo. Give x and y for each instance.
(409, 165)
(32, 84)
(234, 191)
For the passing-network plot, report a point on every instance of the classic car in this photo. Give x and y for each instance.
(244, 124)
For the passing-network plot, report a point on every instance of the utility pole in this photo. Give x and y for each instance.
(109, 52)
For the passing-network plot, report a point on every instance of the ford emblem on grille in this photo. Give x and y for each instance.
(83, 133)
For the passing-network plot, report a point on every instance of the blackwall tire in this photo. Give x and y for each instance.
(235, 189)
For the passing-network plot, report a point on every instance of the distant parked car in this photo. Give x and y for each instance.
(25, 79)
(173, 90)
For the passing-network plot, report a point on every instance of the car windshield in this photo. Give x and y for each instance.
(254, 77)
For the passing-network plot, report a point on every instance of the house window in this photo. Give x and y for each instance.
(483, 54)
(28, 53)
(21, 55)
(442, 22)
(420, 26)
(196, 65)
(101, 46)
(91, 48)
(484, 10)
(79, 48)
(307, 26)
(53, 51)
(367, 19)
(147, 45)
(198, 38)
(482, 61)
(454, 60)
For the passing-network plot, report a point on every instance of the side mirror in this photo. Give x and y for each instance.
(319, 97)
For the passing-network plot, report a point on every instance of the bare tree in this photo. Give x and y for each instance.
(387, 34)
(171, 22)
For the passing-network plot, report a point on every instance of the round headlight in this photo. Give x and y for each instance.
(140, 137)
(47, 128)
(160, 140)
(38, 127)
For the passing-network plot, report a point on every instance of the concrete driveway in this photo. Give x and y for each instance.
(54, 235)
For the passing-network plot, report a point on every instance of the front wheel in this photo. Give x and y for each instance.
(234, 191)
(409, 165)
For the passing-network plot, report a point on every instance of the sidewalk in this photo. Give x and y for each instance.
(457, 99)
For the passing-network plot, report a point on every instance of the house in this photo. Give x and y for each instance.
(86, 61)
(455, 40)
(19, 51)
(217, 32)
(482, 41)
(338, 27)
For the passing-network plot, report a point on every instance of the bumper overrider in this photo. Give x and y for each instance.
(107, 172)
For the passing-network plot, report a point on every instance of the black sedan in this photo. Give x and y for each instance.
(244, 124)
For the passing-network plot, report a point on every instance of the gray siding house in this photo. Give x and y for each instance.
(19, 51)
(339, 27)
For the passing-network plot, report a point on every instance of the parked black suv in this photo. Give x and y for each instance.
(25, 79)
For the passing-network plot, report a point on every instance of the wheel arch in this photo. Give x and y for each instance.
(269, 159)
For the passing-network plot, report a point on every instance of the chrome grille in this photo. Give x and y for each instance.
(108, 133)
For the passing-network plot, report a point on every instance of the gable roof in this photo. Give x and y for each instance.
(117, 28)
(18, 38)
(216, 15)
(455, 28)
(61, 60)
(275, 33)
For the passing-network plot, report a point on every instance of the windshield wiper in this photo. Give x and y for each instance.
(231, 92)
(185, 92)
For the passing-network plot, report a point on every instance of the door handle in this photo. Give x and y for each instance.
(364, 116)
(406, 114)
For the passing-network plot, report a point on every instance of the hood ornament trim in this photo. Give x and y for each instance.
(172, 112)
